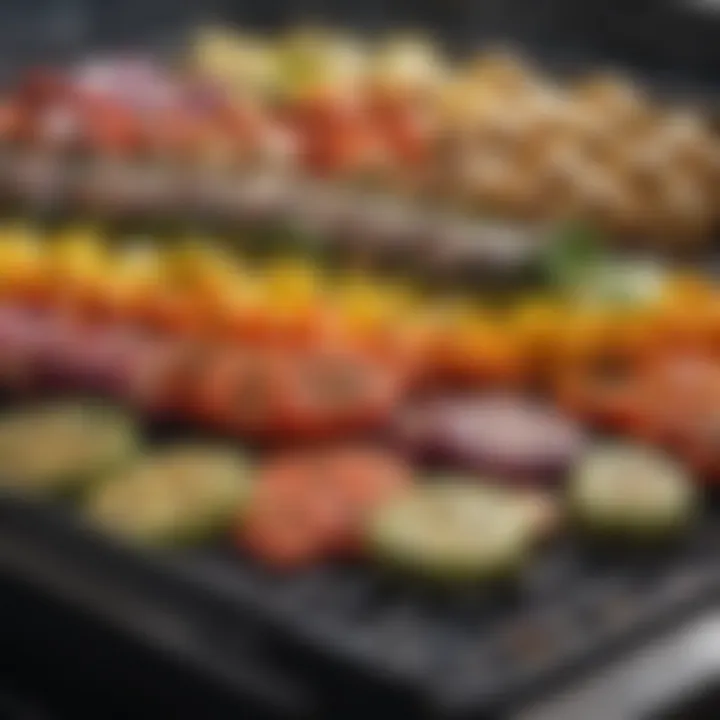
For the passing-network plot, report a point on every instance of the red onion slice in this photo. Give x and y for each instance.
(500, 435)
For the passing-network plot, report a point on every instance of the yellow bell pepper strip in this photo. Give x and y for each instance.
(382, 319)
(471, 346)
(134, 284)
(536, 324)
(291, 306)
(21, 263)
(76, 268)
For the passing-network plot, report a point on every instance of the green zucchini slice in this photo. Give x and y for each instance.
(60, 447)
(454, 531)
(631, 491)
(179, 495)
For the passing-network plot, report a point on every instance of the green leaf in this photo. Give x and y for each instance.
(573, 254)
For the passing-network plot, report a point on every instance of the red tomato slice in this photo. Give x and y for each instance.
(284, 532)
(658, 402)
(330, 393)
(697, 439)
(290, 522)
(170, 383)
(312, 504)
(368, 476)
(677, 391)
(242, 392)
(612, 403)
(687, 376)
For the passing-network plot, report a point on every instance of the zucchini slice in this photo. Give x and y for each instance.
(60, 447)
(179, 495)
(453, 531)
(632, 492)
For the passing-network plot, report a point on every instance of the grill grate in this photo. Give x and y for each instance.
(469, 651)
(355, 627)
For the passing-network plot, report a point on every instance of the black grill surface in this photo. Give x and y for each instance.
(363, 636)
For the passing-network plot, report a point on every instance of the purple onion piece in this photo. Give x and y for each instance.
(503, 436)
(96, 361)
(24, 341)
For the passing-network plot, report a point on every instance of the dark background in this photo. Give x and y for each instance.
(675, 40)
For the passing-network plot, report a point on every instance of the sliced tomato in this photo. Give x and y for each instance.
(292, 520)
(315, 503)
(684, 426)
(331, 392)
(168, 381)
(609, 402)
(403, 350)
(687, 375)
(285, 527)
(242, 392)
(368, 476)
(669, 395)
(697, 441)
(362, 475)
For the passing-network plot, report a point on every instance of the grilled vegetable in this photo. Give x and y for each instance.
(610, 402)
(23, 339)
(289, 522)
(453, 532)
(626, 284)
(312, 504)
(500, 435)
(631, 492)
(243, 392)
(180, 494)
(96, 360)
(165, 380)
(329, 393)
(663, 401)
(61, 447)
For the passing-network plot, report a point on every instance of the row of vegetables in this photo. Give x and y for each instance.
(242, 390)
(607, 311)
(489, 136)
(251, 393)
(352, 501)
(469, 520)
(344, 386)
(270, 212)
